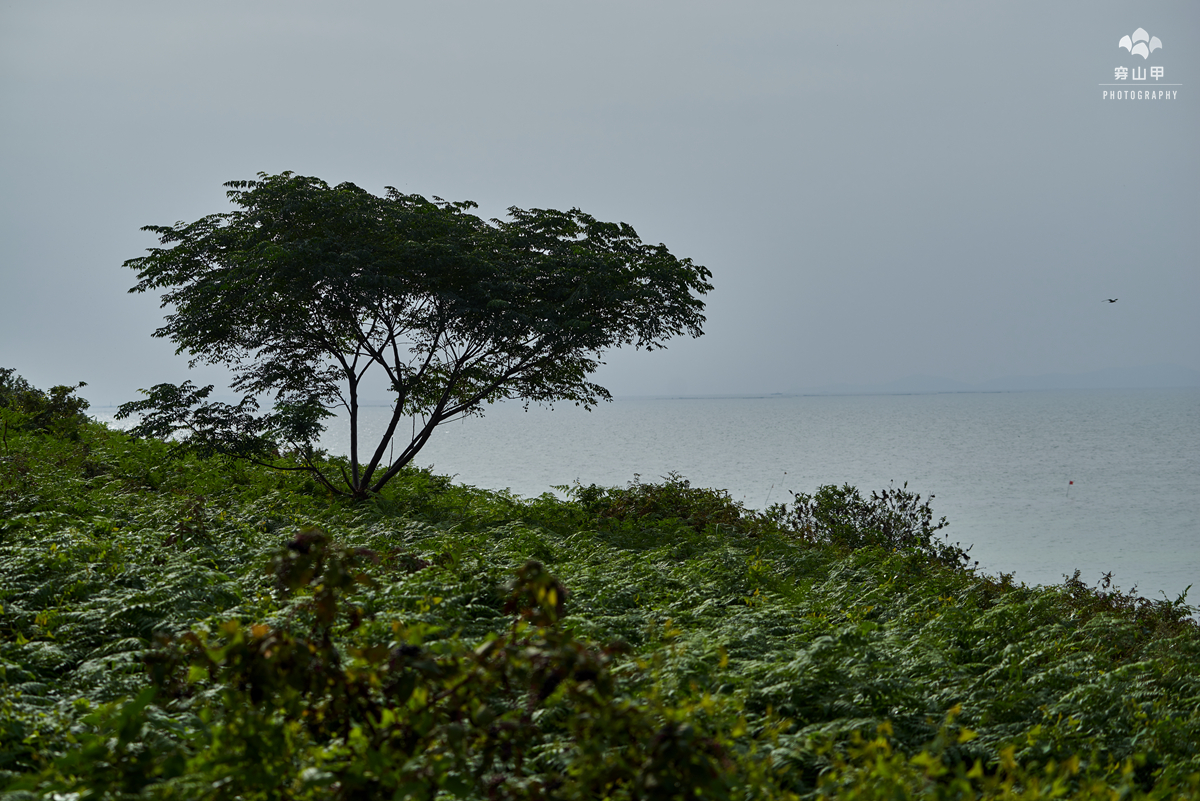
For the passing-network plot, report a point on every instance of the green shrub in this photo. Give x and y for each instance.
(894, 519)
(674, 499)
(23, 406)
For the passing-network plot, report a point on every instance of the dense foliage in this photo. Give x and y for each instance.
(201, 628)
(25, 407)
(307, 291)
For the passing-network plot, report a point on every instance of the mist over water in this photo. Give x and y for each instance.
(998, 463)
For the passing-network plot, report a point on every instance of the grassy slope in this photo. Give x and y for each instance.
(104, 542)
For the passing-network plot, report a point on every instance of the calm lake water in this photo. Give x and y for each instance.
(998, 463)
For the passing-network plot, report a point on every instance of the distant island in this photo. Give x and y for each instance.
(1147, 377)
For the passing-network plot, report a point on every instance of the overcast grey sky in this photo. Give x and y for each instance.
(880, 189)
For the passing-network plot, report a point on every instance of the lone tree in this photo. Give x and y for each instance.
(305, 288)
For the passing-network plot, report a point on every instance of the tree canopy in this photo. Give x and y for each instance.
(304, 288)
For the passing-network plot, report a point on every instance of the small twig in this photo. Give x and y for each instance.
(772, 489)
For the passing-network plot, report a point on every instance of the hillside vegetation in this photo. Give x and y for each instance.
(182, 628)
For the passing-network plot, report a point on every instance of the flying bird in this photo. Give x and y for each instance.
(1110, 300)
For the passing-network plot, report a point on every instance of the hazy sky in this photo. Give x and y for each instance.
(880, 189)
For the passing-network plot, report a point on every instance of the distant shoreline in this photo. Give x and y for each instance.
(378, 403)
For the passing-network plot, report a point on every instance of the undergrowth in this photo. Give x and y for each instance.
(186, 628)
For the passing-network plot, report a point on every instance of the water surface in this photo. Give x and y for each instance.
(998, 463)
